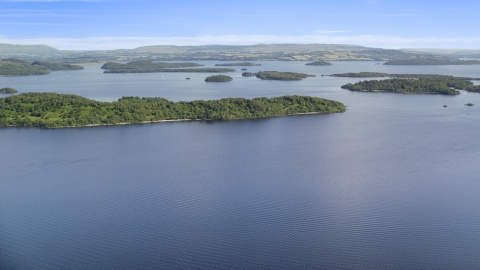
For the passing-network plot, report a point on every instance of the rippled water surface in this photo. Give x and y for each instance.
(392, 183)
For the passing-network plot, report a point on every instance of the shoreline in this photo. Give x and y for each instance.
(172, 120)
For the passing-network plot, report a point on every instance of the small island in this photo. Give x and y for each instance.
(218, 78)
(248, 74)
(50, 110)
(432, 82)
(432, 62)
(242, 64)
(319, 63)
(8, 90)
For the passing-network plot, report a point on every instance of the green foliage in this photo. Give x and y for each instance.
(242, 64)
(8, 90)
(248, 74)
(406, 86)
(13, 60)
(57, 66)
(433, 80)
(60, 110)
(189, 70)
(281, 76)
(319, 63)
(218, 78)
(14, 67)
(432, 62)
(147, 65)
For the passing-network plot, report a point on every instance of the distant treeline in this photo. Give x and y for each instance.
(60, 110)
(140, 65)
(319, 63)
(276, 75)
(405, 86)
(242, 64)
(189, 70)
(15, 67)
(57, 66)
(218, 78)
(431, 62)
(407, 76)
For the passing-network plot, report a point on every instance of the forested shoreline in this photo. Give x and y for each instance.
(51, 110)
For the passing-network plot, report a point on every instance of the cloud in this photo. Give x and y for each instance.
(108, 43)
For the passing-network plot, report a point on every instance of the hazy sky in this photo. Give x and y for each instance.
(112, 24)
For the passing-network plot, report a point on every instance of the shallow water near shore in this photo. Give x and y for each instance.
(391, 183)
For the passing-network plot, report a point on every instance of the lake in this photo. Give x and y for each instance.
(392, 183)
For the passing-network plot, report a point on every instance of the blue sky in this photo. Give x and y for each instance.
(113, 24)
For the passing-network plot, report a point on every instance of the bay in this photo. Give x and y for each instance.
(391, 183)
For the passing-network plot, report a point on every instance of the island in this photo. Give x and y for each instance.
(444, 84)
(57, 66)
(15, 67)
(186, 70)
(248, 74)
(218, 78)
(242, 64)
(281, 76)
(50, 110)
(147, 65)
(319, 63)
(8, 90)
(431, 62)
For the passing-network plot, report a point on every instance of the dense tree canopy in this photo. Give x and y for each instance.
(8, 90)
(218, 78)
(140, 65)
(240, 64)
(60, 110)
(281, 76)
(431, 62)
(186, 70)
(14, 67)
(57, 66)
(319, 63)
(405, 86)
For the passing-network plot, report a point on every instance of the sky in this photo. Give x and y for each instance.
(126, 24)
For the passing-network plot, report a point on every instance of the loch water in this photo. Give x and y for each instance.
(394, 182)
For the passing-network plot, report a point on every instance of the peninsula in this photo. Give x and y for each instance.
(16, 67)
(51, 110)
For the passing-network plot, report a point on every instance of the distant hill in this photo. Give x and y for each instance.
(258, 48)
(11, 49)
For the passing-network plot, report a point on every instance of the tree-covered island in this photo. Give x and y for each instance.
(16, 67)
(241, 64)
(60, 110)
(276, 75)
(8, 90)
(185, 70)
(319, 63)
(431, 62)
(57, 66)
(411, 83)
(218, 78)
(147, 65)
